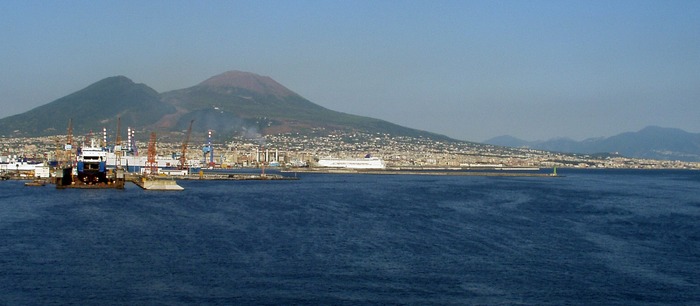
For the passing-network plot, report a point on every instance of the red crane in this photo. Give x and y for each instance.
(152, 165)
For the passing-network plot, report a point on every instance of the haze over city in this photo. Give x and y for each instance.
(471, 70)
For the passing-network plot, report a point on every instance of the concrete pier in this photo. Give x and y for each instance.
(156, 184)
(445, 172)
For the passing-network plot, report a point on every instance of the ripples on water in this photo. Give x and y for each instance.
(591, 237)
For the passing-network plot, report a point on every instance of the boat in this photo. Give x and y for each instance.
(91, 171)
(92, 165)
(21, 167)
(368, 162)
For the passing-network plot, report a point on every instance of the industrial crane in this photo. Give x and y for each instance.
(184, 146)
(208, 149)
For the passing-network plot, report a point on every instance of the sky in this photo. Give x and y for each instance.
(471, 70)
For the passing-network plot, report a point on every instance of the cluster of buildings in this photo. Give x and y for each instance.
(402, 151)
(298, 150)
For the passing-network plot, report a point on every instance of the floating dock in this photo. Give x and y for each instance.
(66, 179)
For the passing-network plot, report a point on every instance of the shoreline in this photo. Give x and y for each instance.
(432, 171)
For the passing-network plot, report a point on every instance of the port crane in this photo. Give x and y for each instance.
(184, 146)
(208, 149)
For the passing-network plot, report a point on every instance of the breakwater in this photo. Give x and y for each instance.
(445, 172)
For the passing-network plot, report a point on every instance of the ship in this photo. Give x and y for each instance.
(368, 162)
(91, 171)
(21, 167)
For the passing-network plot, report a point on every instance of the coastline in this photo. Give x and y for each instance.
(430, 171)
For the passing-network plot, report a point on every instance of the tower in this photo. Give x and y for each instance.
(208, 149)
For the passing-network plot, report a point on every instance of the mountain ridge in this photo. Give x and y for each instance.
(651, 142)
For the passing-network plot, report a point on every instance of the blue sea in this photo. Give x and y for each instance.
(591, 237)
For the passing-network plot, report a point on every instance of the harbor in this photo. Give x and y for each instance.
(98, 163)
(93, 163)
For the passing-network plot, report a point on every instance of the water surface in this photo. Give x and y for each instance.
(591, 237)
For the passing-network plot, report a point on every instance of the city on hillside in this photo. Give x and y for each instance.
(297, 150)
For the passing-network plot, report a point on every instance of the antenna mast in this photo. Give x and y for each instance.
(118, 145)
(69, 143)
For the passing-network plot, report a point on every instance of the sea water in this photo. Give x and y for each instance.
(591, 237)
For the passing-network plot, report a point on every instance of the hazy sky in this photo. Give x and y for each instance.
(471, 70)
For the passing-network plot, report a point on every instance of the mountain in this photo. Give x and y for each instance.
(91, 108)
(651, 142)
(238, 100)
(232, 102)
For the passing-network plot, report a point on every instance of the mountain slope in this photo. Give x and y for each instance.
(238, 100)
(651, 142)
(232, 102)
(91, 108)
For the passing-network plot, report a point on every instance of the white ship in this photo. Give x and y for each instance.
(368, 162)
(16, 164)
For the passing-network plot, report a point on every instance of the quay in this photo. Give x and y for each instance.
(159, 182)
(236, 177)
(432, 171)
(168, 182)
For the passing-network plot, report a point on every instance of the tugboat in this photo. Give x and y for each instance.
(91, 171)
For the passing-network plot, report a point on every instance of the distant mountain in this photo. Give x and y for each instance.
(651, 142)
(508, 141)
(232, 102)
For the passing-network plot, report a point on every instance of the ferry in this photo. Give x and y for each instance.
(92, 165)
(369, 162)
(91, 171)
(23, 167)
